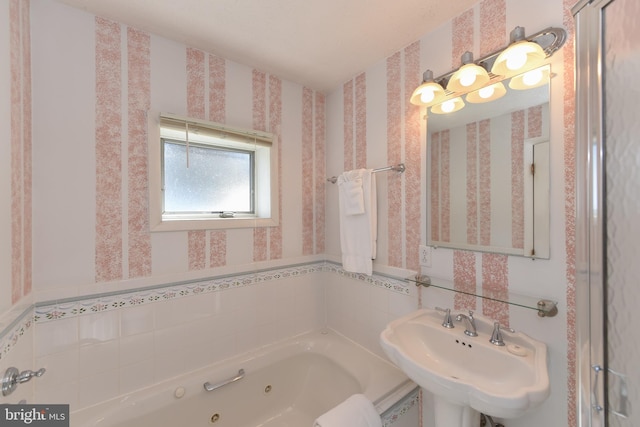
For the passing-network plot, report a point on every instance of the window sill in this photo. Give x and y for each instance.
(212, 224)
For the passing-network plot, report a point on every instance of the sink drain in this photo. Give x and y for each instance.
(214, 418)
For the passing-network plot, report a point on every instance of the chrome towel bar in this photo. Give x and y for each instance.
(210, 387)
(397, 168)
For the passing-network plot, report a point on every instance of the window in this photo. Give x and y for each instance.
(204, 175)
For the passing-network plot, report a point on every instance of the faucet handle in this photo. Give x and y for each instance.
(25, 376)
(447, 322)
(496, 336)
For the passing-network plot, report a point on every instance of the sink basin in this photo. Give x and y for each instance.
(469, 372)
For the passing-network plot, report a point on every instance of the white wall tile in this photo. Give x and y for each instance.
(99, 357)
(98, 388)
(57, 336)
(136, 348)
(135, 376)
(98, 327)
(137, 320)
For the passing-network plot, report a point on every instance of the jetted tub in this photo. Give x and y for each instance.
(289, 383)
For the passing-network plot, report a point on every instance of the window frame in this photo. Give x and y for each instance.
(266, 185)
(213, 147)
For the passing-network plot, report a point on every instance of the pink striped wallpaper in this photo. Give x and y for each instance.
(313, 172)
(349, 150)
(260, 238)
(360, 106)
(495, 284)
(568, 113)
(472, 183)
(517, 178)
(445, 186)
(412, 154)
(307, 172)
(206, 91)
(217, 113)
(434, 173)
(484, 154)
(139, 102)
(17, 236)
(197, 239)
(21, 148)
(493, 26)
(464, 280)
(275, 124)
(217, 89)
(394, 156)
(534, 122)
(109, 251)
(320, 171)
(462, 32)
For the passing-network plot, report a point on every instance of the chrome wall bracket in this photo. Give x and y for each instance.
(12, 377)
(547, 308)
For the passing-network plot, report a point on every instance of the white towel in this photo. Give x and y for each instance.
(358, 232)
(356, 411)
(353, 195)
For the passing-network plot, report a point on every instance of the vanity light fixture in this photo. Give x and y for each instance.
(458, 82)
(520, 55)
(448, 106)
(429, 92)
(469, 76)
(487, 94)
(530, 79)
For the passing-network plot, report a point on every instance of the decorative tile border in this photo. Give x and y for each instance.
(399, 409)
(91, 304)
(15, 331)
(385, 282)
(108, 302)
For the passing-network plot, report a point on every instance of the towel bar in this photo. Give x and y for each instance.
(397, 168)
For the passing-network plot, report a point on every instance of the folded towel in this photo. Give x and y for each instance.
(352, 194)
(358, 232)
(356, 411)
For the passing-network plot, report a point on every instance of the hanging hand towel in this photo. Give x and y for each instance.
(356, 411)
(358, 232)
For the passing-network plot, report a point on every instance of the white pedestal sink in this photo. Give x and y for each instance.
(468, 375)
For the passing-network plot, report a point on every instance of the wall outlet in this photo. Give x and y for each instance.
(425, 255)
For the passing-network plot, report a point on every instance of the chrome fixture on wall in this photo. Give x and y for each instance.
(13, 377)
(481, 80)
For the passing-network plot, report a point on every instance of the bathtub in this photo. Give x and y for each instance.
(285, 384)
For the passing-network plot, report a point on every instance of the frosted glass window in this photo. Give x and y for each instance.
(205, 175)
(214, 180)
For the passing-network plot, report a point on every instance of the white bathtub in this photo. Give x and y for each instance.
(286, 384)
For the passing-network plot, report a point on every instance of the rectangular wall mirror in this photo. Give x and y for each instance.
(488, 174)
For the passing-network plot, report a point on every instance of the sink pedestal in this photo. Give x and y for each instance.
(449, 414)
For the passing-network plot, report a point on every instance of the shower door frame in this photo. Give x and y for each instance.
(590, 216)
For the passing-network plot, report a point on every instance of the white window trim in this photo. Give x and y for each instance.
(267, 209)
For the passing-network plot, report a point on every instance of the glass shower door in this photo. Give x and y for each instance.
(608, 212)
(621, 99)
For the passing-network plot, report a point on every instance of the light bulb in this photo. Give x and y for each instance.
(486, 92)
(467, 77)
(427, 95)
(516, 59)
(448, 106)
(532, 77)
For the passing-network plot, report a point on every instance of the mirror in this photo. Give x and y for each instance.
(488, 174)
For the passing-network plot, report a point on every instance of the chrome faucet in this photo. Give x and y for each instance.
(470, 324)
(446, 322)
(496, 336)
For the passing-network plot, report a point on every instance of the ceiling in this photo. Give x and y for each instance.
(316, 43)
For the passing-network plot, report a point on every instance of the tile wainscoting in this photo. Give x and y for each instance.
(127, 340)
